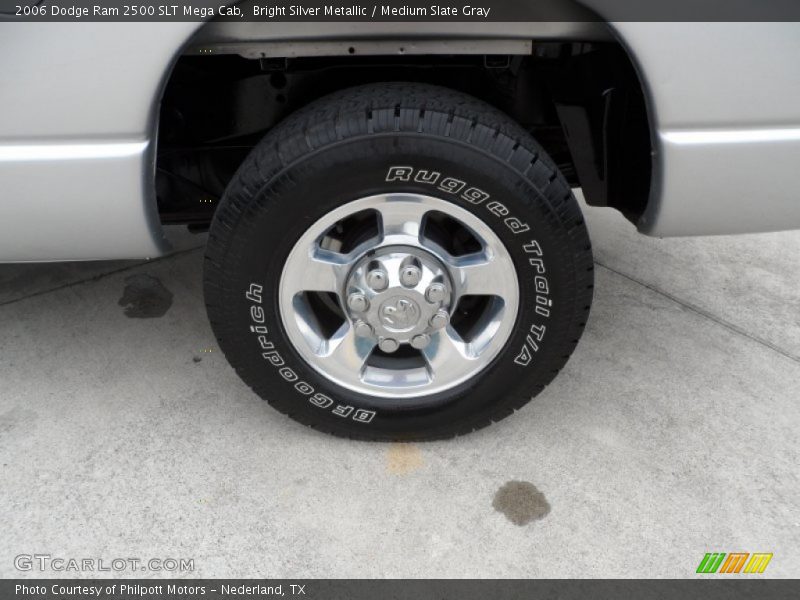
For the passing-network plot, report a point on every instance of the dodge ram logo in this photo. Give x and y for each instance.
(399, 313)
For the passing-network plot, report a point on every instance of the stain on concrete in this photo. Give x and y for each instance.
(521, 502)
(196, 359)
(145, 297)
(402, 459)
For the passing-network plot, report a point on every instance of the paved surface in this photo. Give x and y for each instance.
(673, 431)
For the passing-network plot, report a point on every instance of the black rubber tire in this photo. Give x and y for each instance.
(340, 148)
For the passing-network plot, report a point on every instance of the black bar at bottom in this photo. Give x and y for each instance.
(392, 589)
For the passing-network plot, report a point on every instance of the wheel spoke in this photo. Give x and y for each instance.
(345, 351)
(446, 354)
(401, 219)
(477, 275)
(321, 271)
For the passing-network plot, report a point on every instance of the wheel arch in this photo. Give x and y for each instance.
(338, 39)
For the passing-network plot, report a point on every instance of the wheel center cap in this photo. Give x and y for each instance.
(399, 313)
(398, 295)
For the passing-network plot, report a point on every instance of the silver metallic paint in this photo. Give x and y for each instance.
(72, 95)
(70, 89)
(723, 105)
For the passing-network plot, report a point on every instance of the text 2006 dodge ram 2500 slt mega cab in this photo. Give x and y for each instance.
(394, 247)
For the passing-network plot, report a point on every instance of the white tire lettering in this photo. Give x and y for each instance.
(497, 208)
(320, 400)
(288, 374)
(342, 410)
(304, 388)
(257, 316)
(424, 176)
(254, 293)
(516, 226)
(363, 416)
(475, 196)
(451, 185)
(273, 358)
(399, 174)
(524, 357)
(532, 247)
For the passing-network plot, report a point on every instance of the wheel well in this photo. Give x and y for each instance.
(581, 100)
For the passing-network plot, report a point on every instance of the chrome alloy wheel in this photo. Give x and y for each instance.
(399, 295)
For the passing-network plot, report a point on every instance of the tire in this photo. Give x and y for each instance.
(488, 171)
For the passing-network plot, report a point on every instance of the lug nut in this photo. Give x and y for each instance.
(410, 275)
(377, 279)
(388, 345)
(420, 341)
(363, 329)
(357, 302)
(435, 293)
(440, 319)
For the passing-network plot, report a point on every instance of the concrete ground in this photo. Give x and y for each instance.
(672, 432)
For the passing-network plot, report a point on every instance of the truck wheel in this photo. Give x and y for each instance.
(398, 262)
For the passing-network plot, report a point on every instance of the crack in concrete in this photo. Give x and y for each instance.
(706, 314)
(100, 276)
(688, 305)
